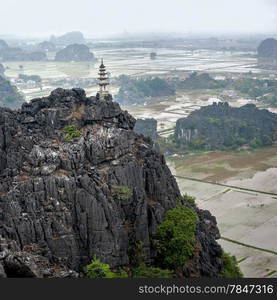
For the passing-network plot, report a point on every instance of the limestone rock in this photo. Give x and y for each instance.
(75, 52)
(267, 53)
(58, 207)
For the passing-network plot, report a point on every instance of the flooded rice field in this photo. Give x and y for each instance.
(240, 190)
(130, 61)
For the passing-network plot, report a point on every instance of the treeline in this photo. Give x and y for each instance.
(137, 90)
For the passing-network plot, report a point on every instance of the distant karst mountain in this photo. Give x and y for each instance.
(75, 52)
(220, 126)
(267, 54)
(3, 45)
(8, 53)
(9, 96)
(46, 46)
(76, 182)
(74, 37)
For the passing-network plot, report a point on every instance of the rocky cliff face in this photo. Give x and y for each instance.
(75, 52)
(147, 127)
(220, 126)
(61, 200)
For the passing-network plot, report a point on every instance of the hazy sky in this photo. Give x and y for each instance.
(102, 17)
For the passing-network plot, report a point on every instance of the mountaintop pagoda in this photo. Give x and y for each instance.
(103, 82)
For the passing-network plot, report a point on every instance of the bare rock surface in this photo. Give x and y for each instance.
(58, 206)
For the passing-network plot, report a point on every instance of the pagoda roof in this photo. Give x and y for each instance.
(102, 64)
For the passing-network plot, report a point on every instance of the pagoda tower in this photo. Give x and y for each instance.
(103, 82)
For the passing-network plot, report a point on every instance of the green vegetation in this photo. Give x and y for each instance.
(186, 199)
(255, 88)
(137, 268)
(136, 254)
(142, 271)
(241, 260)
(121, 192)
(226, 191)
(270, 99)
(175, 243)
(198, 81)
(136, 90)
(248, 246)
(215, 121)
(263, 90)
(99, 270)
(176, 239)
(230, 267)
(26, 78)
(71, 132)
(271, 273)
(9, 95)
(223, 127)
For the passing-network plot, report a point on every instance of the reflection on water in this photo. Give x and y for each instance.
(76, 69)
(136, 61)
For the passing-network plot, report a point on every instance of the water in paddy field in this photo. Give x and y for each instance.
(132, 61)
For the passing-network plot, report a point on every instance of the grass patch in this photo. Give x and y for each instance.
(186, 198)
(249, 246)
(71, 132)
(242, 259)
(271, 273)
(121, 192)
(230, 267)
(97, 269)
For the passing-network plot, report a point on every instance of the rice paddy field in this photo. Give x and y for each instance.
(130, 61)
(240, 190)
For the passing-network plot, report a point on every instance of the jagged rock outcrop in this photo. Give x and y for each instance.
(9, 95)
(220, 126)
(59, 204)
(267, 54)
(75, 52)
(147, 127)
(29, 261)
